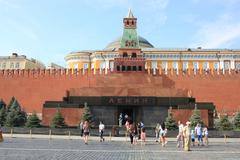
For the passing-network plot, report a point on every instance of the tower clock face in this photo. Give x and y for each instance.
(131, 43)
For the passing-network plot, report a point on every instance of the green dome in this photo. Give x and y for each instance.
(143, 43)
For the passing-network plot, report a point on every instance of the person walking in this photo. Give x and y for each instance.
(193, 137)
(187, 136)
(205, 133)
(86, 131)
(180, 134)
(157, 132)
(143, 136)
(1, 136)
(163, 132)
(81, 128)
(131, 131)
(101, 130)
(198, 131)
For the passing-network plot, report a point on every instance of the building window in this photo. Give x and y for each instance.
(164, 65)
(85, 66)
(195, 66)
(134, 55)
(216, 65)
(118, 68)
(139, 68)
(102, 65)
(134, 68)
(175, 65)
(11, 65)
(154, 65)
(185, 66)
(237, 65)
(125, 54)
(226, 65)
(129, 68)
(123, 68)
(4, 65)
(111, 65)
(205, 66)
(17, 65)
(75, 66)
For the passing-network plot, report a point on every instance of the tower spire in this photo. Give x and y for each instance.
(130, 14)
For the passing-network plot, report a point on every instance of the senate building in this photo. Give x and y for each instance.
(130, 77)
(132, 46)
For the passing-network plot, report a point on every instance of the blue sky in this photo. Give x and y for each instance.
(49, 29)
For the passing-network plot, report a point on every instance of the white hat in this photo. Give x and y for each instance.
(188, 122)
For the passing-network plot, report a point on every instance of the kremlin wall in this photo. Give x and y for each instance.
(33, 87)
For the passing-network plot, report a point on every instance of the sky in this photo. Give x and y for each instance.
(48, 30)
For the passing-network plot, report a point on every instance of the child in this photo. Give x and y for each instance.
(193, 137)
(143, 136)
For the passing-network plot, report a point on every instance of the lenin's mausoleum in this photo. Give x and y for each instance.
(130, 76)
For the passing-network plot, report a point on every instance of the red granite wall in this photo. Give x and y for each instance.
(72, 116)
(183, 115)
(33, 88)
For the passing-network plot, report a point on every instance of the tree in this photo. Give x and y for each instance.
(87, 115)
(11, 102)
(2, 116)
(224, 123)
(16, 117)
(2, 112)
(237, 120)
(196, 117)
(170, 122)
(33, 121)
(58, 120)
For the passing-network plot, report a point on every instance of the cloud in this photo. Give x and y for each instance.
(220, 33)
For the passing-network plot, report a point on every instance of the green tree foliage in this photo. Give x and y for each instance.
(11, 102)
(2, 116)
(58, 120)
(16, 117)
(224, 123)
(170, 122)
(2, 112)
(237, 120)
(87, 115)
(196, 118)
(33, 121)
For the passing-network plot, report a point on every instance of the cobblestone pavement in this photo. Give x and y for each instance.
(63, 149)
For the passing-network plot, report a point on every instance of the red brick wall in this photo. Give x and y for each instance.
(33, 88)
(72, 116)
(184, 115)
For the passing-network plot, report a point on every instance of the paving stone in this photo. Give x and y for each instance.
(59, 149)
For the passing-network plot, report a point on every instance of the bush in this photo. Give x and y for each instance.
(87, 115)
(170, 122)
(2, 116)
(58, 120)
(236, 121)
(15, 116)
(33, 121)
(2, 112)
(196, 118)
(224, 123)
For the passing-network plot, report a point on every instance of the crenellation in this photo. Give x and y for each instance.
(94, 72)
